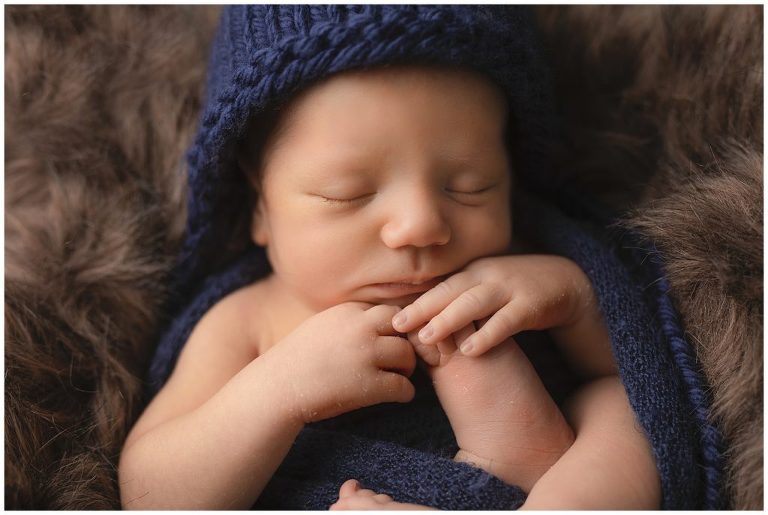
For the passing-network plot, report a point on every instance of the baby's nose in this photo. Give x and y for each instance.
(416, 221)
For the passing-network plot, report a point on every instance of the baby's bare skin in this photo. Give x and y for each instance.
(504, 420)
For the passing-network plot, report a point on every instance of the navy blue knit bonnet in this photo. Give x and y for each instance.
(263, 54)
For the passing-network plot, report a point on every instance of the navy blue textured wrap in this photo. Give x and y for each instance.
(264, 54)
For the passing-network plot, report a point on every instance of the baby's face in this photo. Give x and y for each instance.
(382, 182)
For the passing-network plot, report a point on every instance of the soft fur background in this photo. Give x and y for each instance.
(664, 118)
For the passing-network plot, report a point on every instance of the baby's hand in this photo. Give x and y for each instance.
(506, 295)
(353, 497)
(344, 358)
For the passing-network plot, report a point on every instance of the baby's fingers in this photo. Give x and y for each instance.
(430, 354)
(502, 325)
(473, 304)
(394, 387)
(382, 316)
(395, 354)
(432, 302)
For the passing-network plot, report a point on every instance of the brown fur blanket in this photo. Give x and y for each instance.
(663, 112)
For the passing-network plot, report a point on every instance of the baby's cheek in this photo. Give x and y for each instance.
(489, 234)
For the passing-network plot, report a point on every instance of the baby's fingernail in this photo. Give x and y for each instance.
(467, 346)
(399, 320)
(426, 333)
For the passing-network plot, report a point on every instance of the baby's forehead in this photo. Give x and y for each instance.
(359, 119)
(384, 87)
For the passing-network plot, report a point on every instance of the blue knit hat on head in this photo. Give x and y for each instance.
(263, 54)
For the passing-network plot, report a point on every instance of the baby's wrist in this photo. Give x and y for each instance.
(303, 406)
(297, 408)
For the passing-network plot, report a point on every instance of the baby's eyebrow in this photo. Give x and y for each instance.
(459, 155)
(332, 160)
(467, 154)
(472, 163)
(334, 172)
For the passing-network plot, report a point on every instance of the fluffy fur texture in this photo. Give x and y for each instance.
(663, 113)
(100, 104)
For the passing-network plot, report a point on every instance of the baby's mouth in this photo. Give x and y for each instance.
(406, 287)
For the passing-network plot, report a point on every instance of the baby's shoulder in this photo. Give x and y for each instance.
(237, 314)
(249, 297)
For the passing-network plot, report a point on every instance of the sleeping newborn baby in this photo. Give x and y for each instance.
(382, 198)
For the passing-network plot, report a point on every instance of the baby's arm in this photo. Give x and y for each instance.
(609, 466)
(218, 430)
(194, 445)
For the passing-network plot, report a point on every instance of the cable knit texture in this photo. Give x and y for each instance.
(264, 54)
